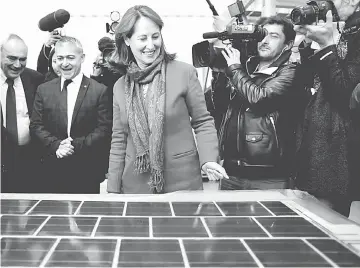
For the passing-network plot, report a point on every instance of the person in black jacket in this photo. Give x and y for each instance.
(46, 63)
(329, 74)
(256, 131)
(354, 141)
(101, 71)
(45, 52)
(106, 76)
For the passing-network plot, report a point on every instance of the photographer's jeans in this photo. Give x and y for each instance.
(253, 178)
(237, 183)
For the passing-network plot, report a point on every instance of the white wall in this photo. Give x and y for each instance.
(185, 21)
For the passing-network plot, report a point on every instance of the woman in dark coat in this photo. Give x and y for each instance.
(329, 77)
(354, 141)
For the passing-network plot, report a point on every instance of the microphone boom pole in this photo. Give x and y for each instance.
(212, 8)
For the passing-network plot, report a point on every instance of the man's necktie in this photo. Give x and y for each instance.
(11, 118)
(63, 99)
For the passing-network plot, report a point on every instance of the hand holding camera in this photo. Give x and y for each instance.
(315, 21)
(231, 55)
(321, 32)
(98, 66)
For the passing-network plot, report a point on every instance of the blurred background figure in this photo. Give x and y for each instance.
(104, 74)
(47, 52)
(53, 67)
(101, 71)
(354, 141)
(328, 73)
(98, 67)
(52, 23)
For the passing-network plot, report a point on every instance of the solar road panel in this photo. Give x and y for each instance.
(54, 233)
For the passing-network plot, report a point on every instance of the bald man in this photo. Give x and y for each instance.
(18, 85)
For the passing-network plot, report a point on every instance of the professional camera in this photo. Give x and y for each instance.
(242, 35)
(313, 12)
(239, 31)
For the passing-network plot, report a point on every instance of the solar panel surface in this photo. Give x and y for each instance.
(54, 233)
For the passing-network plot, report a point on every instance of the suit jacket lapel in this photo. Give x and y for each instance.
(80, 97)
(27, 85)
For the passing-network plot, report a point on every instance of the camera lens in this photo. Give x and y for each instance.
(296, 15)
(304, 15)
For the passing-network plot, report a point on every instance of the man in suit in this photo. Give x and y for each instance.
(18, 85)
(72, 121)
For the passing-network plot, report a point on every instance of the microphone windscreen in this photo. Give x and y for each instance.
(54, 20)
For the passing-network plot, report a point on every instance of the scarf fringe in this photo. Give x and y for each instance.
(142, 163)
(146, 119)
(157, 181)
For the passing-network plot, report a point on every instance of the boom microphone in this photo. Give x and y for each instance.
(212, 8)
(54, 20)
(211, 35)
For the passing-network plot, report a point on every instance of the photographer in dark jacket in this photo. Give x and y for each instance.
(354, 141)
(256, 135)
(101, 72)
(217, 99)
(45, 58)
(106, 76)
(329, 75)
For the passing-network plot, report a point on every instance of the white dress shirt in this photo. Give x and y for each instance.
(22, 113)
(72, 93)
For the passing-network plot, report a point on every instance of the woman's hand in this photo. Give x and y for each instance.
(214, 171)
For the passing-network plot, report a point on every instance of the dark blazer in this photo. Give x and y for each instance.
(30, 80)
(323, 150)
(354, 144)
(185, 111)
(44, 61)
(90, 131)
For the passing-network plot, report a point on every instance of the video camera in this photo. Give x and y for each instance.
(243, 36)
(239, 31)
(313, 12)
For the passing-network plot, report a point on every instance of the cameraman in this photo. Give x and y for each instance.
(256, 131)
(329, 73)
(45, 56)
(106, 76)
(101, 71)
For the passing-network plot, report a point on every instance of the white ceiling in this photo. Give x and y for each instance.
(289, 3)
